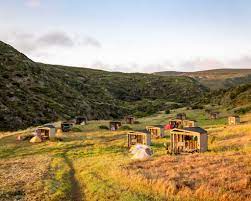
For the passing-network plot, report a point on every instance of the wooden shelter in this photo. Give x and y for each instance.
(176, 123)
(80, 120)
(189, 123)
(46, 132)
(214, 115)
(136, 137)
(66, 126)
(181, 116)
(115, 125)
(129, 119)
(156, 131)
(190, 139)
(234, 120)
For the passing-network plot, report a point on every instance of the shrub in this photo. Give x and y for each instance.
(136, 122)
(243, 110)
(194, 107)
(104, 127)
(167, 111)
(140, 114)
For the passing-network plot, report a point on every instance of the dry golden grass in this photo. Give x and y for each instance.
(223, 173)
(230, 138)
(199, 176)
(21, 178)
(94, 164)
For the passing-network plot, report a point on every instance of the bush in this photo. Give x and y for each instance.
(167, 111)
(136, 122)
(140, 114)
(243, 110)
(125, 128)
(104, 127)
(194, 107)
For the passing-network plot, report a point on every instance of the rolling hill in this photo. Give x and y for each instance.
(237, 98)
(34, 93)
(217, 78)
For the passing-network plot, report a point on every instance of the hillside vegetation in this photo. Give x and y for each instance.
(215, 79)
(33, 93)
(237, 98)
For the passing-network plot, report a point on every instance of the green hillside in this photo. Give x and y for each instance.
(33, 93)
(217, 78)
(237, 98)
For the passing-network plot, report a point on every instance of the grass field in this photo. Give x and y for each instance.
(94, 164)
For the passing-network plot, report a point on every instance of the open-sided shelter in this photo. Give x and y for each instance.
(190, 139)
(80, 120)
(181, 116)
(156, 131)
(189, 123)
(129, 119)
(175, 123)
(46, 132)
(136, 137)
(115, 125)
(66, 126)
(214, 115)
(234, 120)
(178, 123)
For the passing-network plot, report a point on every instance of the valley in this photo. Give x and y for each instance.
(94, 164)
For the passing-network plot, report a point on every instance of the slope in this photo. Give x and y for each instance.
(217, 78)
(33, 93)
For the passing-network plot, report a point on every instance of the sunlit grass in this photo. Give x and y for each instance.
(103, 168)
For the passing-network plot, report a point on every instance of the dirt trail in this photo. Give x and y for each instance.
(76, 194)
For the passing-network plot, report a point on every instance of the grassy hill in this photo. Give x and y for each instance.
(215, 79)
(33, 93)
(92, 164)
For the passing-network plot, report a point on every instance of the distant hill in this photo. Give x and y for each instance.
(237, 98)
(33, 93)
(215, 79)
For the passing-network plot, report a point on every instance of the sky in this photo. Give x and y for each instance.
(131, 35)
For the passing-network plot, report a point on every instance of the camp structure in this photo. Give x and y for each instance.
(190, 139)
(181, 116)
(175, 123)
(189, 123)
(115, 125)
(129, 119)
(178, 123)
(46, 132)
(214, 115)
(80, 120)
(66, 126)
(137, 137)
(156, 131)
(233, 120)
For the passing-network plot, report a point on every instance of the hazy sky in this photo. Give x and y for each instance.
(131, 35)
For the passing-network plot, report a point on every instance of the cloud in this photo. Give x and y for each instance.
(21, 41)
(243, 62)
(56, 39)
(132, 67)
(29, 42)
(89, 41)
(202, 64)
(33, 3)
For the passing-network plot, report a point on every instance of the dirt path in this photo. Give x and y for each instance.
(76, 193)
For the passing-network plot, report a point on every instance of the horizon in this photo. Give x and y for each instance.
(141, 36)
